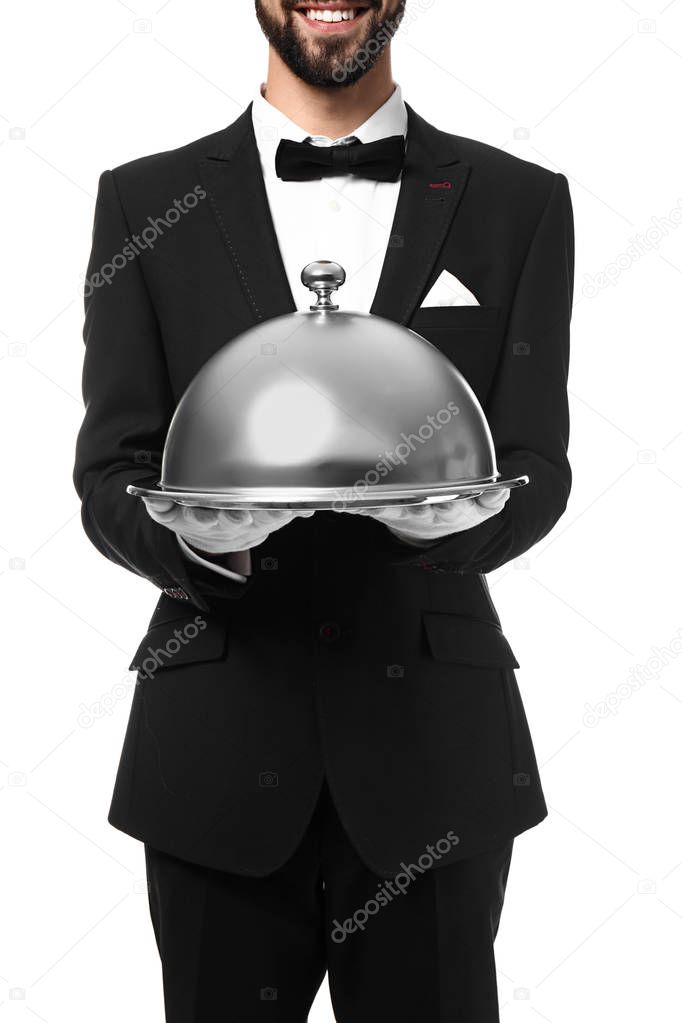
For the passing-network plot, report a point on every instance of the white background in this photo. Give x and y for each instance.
(593, 921)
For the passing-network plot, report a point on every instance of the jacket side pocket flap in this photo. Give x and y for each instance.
(184, 640)
(465, 640)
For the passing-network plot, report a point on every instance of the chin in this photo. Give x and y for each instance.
(331, 54)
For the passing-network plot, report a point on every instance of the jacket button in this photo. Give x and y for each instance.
(330, 631)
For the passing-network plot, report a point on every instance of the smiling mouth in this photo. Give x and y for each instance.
(332, 17)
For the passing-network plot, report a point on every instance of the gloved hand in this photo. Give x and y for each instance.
(220, 532)
(425, 522)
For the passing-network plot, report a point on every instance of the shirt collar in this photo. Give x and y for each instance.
(271, 126)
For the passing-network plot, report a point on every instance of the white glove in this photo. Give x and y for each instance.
(433, 521)
(220, 532)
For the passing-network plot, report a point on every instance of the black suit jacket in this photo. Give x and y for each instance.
(347, 653)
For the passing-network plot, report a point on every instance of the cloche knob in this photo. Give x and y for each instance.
(323, 277)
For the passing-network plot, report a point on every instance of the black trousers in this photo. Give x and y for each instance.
(417, 949)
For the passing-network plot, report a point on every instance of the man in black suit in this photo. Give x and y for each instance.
(327, 755)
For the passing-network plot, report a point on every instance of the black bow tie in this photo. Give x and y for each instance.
(378, 161)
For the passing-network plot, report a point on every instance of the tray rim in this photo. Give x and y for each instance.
(326, 498)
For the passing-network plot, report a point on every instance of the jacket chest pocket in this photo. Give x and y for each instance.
(470, 337)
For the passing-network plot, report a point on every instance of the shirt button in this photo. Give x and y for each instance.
(330, 631)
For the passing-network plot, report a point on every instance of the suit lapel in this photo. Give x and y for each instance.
(432, 185)
(232, 176)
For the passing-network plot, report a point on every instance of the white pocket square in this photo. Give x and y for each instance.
(449, 291)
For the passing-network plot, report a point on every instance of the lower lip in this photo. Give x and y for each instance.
(332, 27)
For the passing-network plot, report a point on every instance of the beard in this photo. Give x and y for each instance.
(332, 62)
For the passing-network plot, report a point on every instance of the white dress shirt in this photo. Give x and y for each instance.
(346, 219)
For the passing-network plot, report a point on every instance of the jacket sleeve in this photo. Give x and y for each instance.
(528, 407)
(128, 408)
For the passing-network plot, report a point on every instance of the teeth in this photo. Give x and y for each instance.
(327, 15)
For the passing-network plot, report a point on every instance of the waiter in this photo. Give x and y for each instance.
(327, 756)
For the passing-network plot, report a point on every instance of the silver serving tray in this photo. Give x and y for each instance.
(327, 498)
